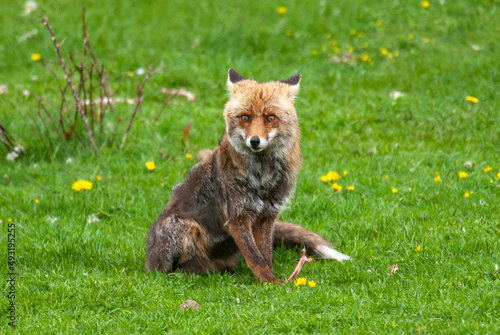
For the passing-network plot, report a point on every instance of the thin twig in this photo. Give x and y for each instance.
(70, 84)
(168, 100)
(140, 90)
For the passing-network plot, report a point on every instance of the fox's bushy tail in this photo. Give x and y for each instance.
(291, 235)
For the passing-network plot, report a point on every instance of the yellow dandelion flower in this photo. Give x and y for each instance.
(384, 51)
(360, 316)
(150, 166)
(314, 52)
(385, 176)
(337, 187)
(417, 249)
(410, 36)
(350, 188)
(438, 178)
(98, 177)
(37, 201)
(418, 329)
(467, 194)
(161, 184)
(364, 58)
(360, 35)
(396, 53)
(411, 180)
(393, 325)
(281, 10)
(353, 31)
(300, 281)
(337, 50)
(130, 73)
(328, 35)
(472, 100)
(324, 179)
(289, 32)
(427, 39)
(109, 230)
(425, 4)
(36, 57)
(378, 22)
(332, 176)
(491, 181)
(82, 185)
(463, 175)
(9, 219)
(350, 48)
(498, 175)
(344, 173)
(189, 156)
(311, 283)
(394, 190)
(488, 169)
(334, 43)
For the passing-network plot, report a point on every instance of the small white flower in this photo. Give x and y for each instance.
(11, 156)
(34, 78)
(52, 220)
(69, 160)
(26, 93)
(93, 218)
(85, 274)
(18, 148)
(475, 47)
(140, 71)
(496, 268)
(396, 95)
(463, 229)
(35, 166)
(29, 7)
(468, 164)
(238, 300)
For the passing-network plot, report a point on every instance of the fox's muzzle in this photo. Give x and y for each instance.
(254, 142)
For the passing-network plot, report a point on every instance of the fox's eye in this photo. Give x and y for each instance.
(245, 118)
(270, 118)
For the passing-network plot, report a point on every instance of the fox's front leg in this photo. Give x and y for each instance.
(241, 231)
(263, 233)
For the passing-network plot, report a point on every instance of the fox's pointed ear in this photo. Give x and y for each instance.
(232, 78)
(294, 83)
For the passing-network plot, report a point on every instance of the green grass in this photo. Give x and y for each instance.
(80, 277)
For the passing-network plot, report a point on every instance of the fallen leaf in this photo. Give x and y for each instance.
(180, 91)
(187, 131)
(191, 304)
(3, 89)
(394, 268)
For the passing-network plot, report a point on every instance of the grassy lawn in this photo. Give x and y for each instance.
(78, 276)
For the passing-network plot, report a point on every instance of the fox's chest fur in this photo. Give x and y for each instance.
(230, 184)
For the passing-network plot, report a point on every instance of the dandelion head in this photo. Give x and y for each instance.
(281, 10)
(472, 100)
(150, 166)
(36, 57)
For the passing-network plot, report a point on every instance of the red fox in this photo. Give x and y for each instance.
(229, 204)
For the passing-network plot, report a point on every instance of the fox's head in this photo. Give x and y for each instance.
(261, 116)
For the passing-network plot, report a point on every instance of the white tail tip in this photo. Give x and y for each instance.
(329, 253)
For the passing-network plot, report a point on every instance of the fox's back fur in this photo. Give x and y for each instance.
(229, 203)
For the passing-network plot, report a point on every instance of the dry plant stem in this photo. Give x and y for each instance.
(167, 101)
(70, 84)
(302, 261)
(6, 139)
(140, 89)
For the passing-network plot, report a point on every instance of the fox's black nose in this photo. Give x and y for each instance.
(254, 142)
